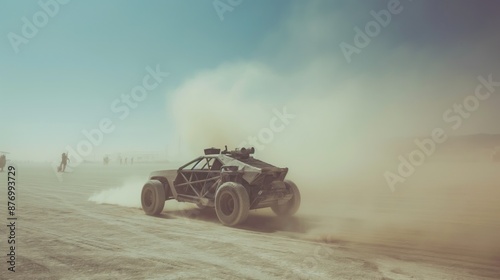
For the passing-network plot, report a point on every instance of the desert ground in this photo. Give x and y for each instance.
(444, 223)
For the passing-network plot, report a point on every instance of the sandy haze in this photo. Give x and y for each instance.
(273, 75)
(443, 224)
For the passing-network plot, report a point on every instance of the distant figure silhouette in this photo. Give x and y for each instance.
(64, 162)
(126, 159)
(3, 161)
(131, 161)
(496, 156)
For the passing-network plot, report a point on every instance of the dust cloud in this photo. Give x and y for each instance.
(127, 195)
(337, 153)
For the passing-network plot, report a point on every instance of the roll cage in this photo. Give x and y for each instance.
(197, 180)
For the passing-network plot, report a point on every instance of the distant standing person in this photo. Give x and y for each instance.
(3, 162)
(106, 160)
(131, 161)
(126, 159)
(64, 162)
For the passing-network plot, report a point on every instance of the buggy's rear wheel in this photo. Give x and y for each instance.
(153, 197)
(232, 204)
(292, 206)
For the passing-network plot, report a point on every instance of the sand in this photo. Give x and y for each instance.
(444, 223)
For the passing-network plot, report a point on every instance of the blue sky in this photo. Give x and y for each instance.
(91, 52)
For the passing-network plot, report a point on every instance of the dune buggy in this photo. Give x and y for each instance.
(232, 182)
